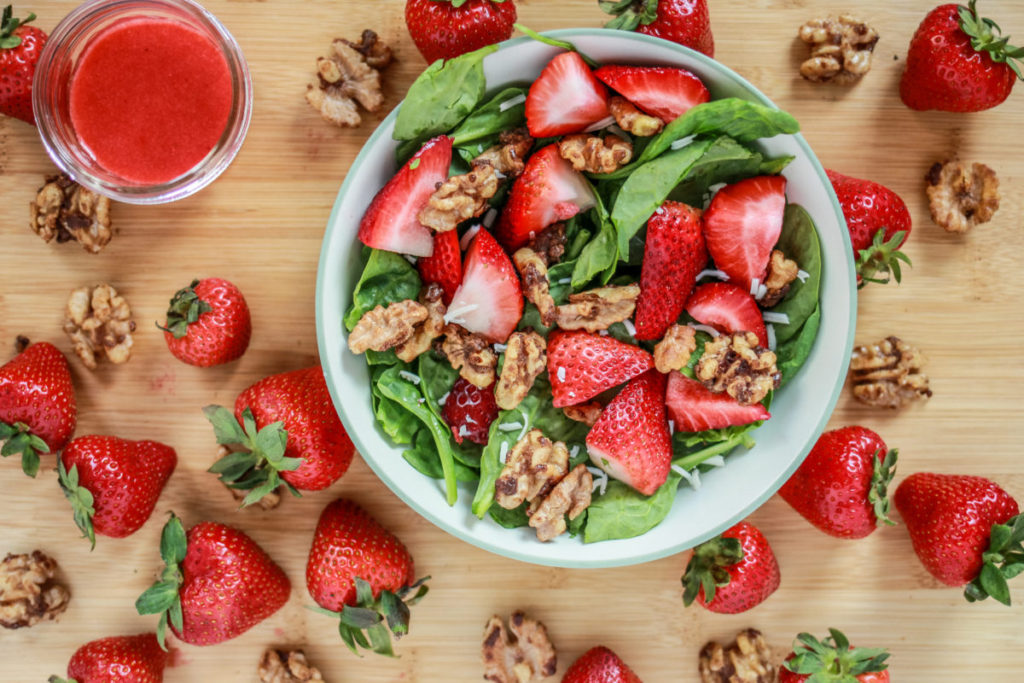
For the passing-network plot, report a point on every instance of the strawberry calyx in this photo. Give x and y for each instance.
(1003, 560)
(986, 36)
(370, 623)
(881, 258)
(832, 660)
(81, 500)
(8, 24)
(459, 3)
(707, 568)
(19, 438)
(257, 464)
(58, 679)
(628, 14)
(185, 309)
(163, 596)
(881, 476)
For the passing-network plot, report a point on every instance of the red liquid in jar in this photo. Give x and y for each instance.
(150, 98)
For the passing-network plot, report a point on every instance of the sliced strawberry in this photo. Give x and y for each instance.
(728, 308)
(661, 91)
(630, 441)
(694, 408)
(674, 254)
(444, 266)
(742, 224)
(489, 301)
(582, 364)
(469, 411)
(565, 98)
(391, 222)
(548, 191)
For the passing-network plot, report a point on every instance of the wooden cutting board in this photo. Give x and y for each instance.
(260, 226)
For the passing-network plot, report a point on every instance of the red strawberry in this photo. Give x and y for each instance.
(120, 659)
(661, 91)
(630, 441)
(489, 301)
(565, 98)
(600, 665)
(842, 485)
(878, 222)
(957, 61)
(965, 530)
(548, 191)
(208, 323)
(832, 660)
(217, 584)
(20, 46)
(391, 222)
(686, 22)
(692, 407)
(444, 266)
(733, 572)
(728, 308)
(442, 29)
(360, 571)
(674, 255)
(113, 484)
(742, 224)
(37, 404)
(469, 411)
(582, 364)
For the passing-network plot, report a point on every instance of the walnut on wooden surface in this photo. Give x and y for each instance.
(536, 287)
(470, 354)
(632, 120)
(586, 413)
(961, 197)
(781, 273)
(268, 502)
(99, 320)
(28, 592)
(525, 359)
(287, 666)
(592, 154)
(675, 348)
(459, 198)
(888, 374)
(598, 309)
(534, 465)
(508, 156)
(736, 364)
(430, 329)
(748, 660)
(347, 77)
(385, 328)
(375, 51)
(549, 243)
(570, 496)
(66, 210)
(520, 654)
(840, 49)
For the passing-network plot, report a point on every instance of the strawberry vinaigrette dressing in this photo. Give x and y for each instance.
(150, 98)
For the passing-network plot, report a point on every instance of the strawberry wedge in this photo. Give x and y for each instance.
(582, 364)
(664, 92)
(391, 222)
(694, 408)
(728, 308)
(489, 301)
(565, 98)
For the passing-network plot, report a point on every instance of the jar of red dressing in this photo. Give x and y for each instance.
(145, 101)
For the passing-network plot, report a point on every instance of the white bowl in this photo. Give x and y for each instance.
(799, 410)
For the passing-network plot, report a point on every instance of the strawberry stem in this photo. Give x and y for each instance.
(880, 258)
(162, 597)
(706, 568)
(185, 309)
(629, 14)
(8, 24)
(19, 438)
(1003, 560)
(81, 500)
(554, 42)
(832, 660)
(985, 36)
(881, 476)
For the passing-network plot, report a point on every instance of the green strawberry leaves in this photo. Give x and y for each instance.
(8, 24)
(18, 439)
(832, 660)
(707, 568)
(185, 309)
(58, 679)
(881, 477)
(81, 500)
(985, 36)
(876, 262)
(629, 14)
(1003, 560)
(162, 597)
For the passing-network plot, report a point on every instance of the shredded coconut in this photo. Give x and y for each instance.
(463, 432)
(499, 175)
(560, 373)
(411, 259)
(503, 453)
(574, 451)
(671, 427)
(802, 275)
(614, 128)
(683, 142)
(564, 280)
(713, 189)
(603, 123)
(715, 461)
(513, 102)
(770, 329)
(720, 274)
(600, 480)
(500, 348)
(707, 329)
(526, 423)
(628, 324)
(455, 315)
(470, 234)
(603, 333)
(470, 420)
(762, 290)
(409, 376)
(754, 285)
(444, 398)
(773, 317)
(510, 426)
(488, 220)
(692, 477)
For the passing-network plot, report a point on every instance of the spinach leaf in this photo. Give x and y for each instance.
(793, 354)
(598, 257)
(576, 526)
(386, 278)
(437, 377)
(510, 519)
(774, 166)
(799, 241)
(424, 458)
(622, 512)
(726, 161)
(397, 422)
(489, 120)
(554, 42)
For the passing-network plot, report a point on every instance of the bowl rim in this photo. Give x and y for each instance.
(641, 557)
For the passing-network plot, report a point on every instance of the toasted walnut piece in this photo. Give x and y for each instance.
(598, 309)
(748, 660)
(99, 319)
(675, 348)
(345, 78)
(28, 592)
(430, 329)
(385, 328)
(521, 654)
(459, 198)
(535, 283)
(960, 198)
(507, 157)
(735, 364)
(888, 374)
(268, 502)
(287, 666)
(534, 465)
(571, 496)
(840, 49)
(592, 154)
(66, 210)
(525, 359)
(586, 413)
(632, 120)
(549, 243)
(470, 354)
(781, 273)
(375, 51)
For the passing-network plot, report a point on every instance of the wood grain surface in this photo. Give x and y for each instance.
(260, 225)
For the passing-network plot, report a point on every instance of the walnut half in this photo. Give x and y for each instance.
(592, 154)
(459, 198)
(349, 75)
(748, 660)
(632, 120)
(384, 328)
(425, 332)
(520, 654)
(470, 354)
(66, 210)
(525, 359)
(536, 287)
(781, 273)
(508, 157)
(98, 320)
(888, 374)
(960, 198)
(28, 592)
(570, 497)
(840, 49)
(736, 364)
(674, 350)
(534, 466)
(598, 309)
(287, 666)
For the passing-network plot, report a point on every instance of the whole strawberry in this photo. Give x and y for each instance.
(686, 22)
(113, 484)
(965, 530)
(469, 411)
(878, 222)
(600, 665)
(361, 573)
(442, 29)
(208, 323)
(957, 61)
(20, 46)
(38, 411)
(733, 572)
(217, 584)
(119, 659)
(832, 660)
(842, 485)
(288, 433)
